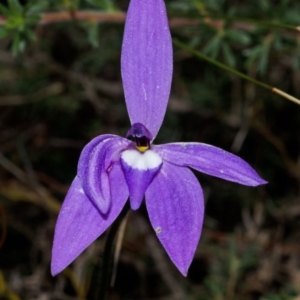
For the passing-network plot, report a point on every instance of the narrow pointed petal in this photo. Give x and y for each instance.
(94, 166)
(175, 205)
(139, 170)
(80, 223)
(146, 63)
(210, 160)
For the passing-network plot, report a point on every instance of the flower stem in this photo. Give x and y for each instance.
(103, 278)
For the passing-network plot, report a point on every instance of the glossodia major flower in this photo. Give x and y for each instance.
(112, 169)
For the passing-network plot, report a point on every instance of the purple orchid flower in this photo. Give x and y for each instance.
(113, 168)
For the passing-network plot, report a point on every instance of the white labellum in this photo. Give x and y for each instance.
(141, 161)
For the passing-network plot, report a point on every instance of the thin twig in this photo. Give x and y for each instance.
(31, 176)
(235, 72)
(285, 95)
(13, 169)
(53, 89)
(25, 135)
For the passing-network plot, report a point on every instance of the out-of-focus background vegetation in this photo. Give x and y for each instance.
(60, 86)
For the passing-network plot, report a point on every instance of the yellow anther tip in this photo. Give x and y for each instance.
(142, 148)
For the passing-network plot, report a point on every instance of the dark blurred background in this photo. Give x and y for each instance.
(60, 86)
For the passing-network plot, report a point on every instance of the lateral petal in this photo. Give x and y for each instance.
(80, 223)
(139, 170)
(210, 160)
(94, 165)
(147, 63)
(175, 206)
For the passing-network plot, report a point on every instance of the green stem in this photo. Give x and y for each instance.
(221, 65)
(233, 71)
(106, 266)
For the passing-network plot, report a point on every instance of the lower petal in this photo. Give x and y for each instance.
(175, 206)
(80, 223)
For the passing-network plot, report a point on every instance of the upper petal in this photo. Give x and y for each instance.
(210, 160)
(175, 205)
(79, 222)
(147, 63)
(94, 166)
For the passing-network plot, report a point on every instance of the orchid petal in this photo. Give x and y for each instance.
(147, 63)
(175, 206)
(94, 165)
(80, 222)
(210, 160)
(139, 170)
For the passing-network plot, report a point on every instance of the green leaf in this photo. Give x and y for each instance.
(264, 4)
(75, 4)
(215, 5)
(93, 34)
(4, 10)
(32, 20)
(33, 8)
(29, 35)
(228, 55)
(252, 55)
(107, 5)
(15, 7)
(213, 47)
(239, 37)
(18, 44)
(15, 22)
(95, 3)
(263, 60)
(3, 32)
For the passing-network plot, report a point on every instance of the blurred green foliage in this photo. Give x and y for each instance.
(60, 86)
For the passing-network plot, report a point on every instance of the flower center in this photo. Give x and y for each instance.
(139, 134)
(142, 144)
